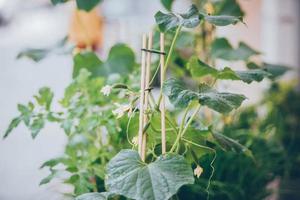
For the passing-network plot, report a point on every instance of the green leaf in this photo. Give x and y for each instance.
(275, 71)
(93, 196)
(200, 69)
(38, 54)
(129, 176)
(26, 112)
(55, 2)
(121, 59)
(170, 21)
(34, 54)
(87, 5)
(229, 144)
(45, 97)
(13, 124)
(90, 62)
(51, 163)
(36, 126)
(47, 179)
(222, 49)
(167, 4)
(228, 7)
(180, 96)
(221, 20)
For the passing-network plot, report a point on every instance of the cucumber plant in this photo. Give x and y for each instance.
(100, 111)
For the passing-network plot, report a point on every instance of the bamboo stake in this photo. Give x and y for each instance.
(147, 80)
(142, 96)
(162, 103)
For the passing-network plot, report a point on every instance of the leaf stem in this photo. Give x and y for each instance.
(182, 132)
(169, 57)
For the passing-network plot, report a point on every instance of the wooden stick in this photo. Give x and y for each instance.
(162, 103)
(147, 80)
(142, 96)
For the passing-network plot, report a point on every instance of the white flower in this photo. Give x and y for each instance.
(121, 109)
(134, 141)
(106, 90)
(198, 171)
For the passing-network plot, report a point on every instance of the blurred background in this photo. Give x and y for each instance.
(272, 27)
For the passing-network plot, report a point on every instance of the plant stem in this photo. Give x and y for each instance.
(181, 133)
(169, 57)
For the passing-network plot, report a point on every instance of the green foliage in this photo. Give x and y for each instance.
(221, 20)
(191, 19)
(87, 5)
(222, 49)
(167, 4)
(221, 102)
(93, 196)
(129, 176)
(99, 116)
(121, 59)
(38, 54)
(200, 69)
(171, 21)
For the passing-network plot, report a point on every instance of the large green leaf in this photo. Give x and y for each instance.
(229, 144)
(168, 21)
(274, 70)
(199, 69)
(221, 48)
(121, 59)
(129, 176)
(221, 20)
(228, 7)
(89, 61)
(180, 96)
(87, 5)
(93, 196)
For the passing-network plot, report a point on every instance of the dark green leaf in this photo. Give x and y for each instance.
(13, 124)
(55, 2)
(228, 7)
(221, 48)
(129, 176)
(170, 21)
(87, 5)
(229, 144)
(34, 54)
(180, 96)
(199, 69)
(93, 196)
(275, 71)
(222, 20)
(167, 4)
(37, 54)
